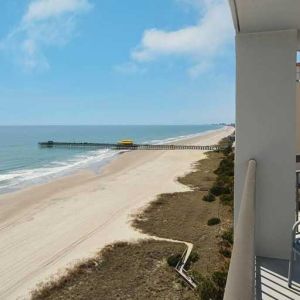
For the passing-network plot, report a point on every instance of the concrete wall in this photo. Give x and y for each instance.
(266, 131)
(298, 119)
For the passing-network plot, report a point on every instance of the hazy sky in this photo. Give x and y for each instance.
(116, 62)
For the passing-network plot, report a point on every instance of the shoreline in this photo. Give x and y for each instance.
(48, 227)
(95, 166)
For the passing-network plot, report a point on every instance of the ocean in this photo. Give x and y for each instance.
(23, 162)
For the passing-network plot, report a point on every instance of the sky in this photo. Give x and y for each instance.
(116, 62)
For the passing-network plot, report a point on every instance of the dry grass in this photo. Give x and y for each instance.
(122, 271)
(139, 270)
(184, 216)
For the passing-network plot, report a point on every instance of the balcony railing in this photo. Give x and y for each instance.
(240, 281)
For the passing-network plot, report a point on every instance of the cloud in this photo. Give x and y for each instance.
(200, 42)
(200, 68)
(45, 9)
(45, 23)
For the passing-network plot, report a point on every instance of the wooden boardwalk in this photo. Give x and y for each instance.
(51, 144)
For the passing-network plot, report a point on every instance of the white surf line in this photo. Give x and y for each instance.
(180, 267)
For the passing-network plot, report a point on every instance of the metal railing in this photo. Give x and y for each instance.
(180, 267)
(240, 281)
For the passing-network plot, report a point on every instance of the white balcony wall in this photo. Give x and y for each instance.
(266, 131)
(298, 119)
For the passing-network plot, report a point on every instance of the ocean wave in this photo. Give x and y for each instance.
(21, 178)
(180, 137)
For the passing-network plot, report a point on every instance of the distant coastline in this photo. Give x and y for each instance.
(41, 166)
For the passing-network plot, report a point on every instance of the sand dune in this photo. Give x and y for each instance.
(46, 228)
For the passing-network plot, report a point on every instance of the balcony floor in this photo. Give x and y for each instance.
(271, 279)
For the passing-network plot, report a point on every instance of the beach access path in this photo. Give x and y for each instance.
(46, 228)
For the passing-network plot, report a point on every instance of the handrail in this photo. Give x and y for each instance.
(240, 281)
(180, 267)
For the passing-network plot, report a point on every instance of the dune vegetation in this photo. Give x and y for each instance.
(145, 270)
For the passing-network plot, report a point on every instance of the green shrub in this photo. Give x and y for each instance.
(194, 256)
(213, 221)
(228, 236)
(226, 143)
(219, 278)
(227, 150)
(226, 166)
(226, 199)
(173, 260)
(225, 252)
(225, 180)
(197, 276)
(219, 189)
(208, 290)
(209, 197)
(216, 190)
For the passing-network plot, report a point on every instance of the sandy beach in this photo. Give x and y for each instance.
(46, 228)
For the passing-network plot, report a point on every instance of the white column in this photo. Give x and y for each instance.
(298, 120)
(266, 131)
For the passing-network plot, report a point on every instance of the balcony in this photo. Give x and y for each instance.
(267, 130)
(250, 276)
(271, 280)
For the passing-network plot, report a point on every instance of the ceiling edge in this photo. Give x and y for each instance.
(234, 13)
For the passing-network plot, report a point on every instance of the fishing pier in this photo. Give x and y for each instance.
(131, 146)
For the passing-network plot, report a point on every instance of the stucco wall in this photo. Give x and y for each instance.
(298, 118)
(266, 131)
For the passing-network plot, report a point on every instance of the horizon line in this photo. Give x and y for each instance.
(169, 124)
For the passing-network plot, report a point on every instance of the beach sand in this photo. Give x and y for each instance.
(46, 228)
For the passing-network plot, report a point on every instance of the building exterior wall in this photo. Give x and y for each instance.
(298, 118)
(266, 131)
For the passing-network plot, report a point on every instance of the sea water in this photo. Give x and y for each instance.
(23, 162)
